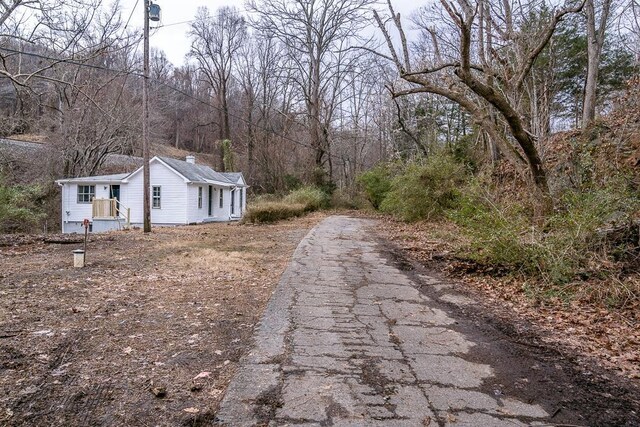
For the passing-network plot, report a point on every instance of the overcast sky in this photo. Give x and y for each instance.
(172, 36)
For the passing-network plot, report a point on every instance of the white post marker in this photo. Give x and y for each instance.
(78, 258)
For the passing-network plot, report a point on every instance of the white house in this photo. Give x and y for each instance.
(182, 192)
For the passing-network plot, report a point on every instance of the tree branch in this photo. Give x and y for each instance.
(543, 41)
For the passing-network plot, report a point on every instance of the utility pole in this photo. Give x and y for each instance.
(145, 124)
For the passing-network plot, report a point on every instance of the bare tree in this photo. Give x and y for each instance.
(57, 27)
(354, 133)
(43, 44)
(632, 26)
(480, 56)
(88, 133)
(316, 34)
(93, 109)
(215, 41)
(275, 101)
(248, 79)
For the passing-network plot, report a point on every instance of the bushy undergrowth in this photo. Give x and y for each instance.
(345, 199)
(376, 183)
(572, 244)
(297, 203)
(425, 189)
(20, 207)
(497, 234)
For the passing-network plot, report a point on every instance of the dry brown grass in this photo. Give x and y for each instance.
(88, 346)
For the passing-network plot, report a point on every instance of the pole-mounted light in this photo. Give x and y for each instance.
(154, 12)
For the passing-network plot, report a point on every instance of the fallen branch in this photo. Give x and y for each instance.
(62, 241)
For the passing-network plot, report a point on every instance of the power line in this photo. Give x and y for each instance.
(71, 61)
(131, 14)
(176, 23)
(180, 91)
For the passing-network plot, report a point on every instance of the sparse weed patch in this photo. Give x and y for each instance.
(273, 211)
(297, 203)
(311, 197)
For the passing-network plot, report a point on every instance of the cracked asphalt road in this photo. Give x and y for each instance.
(349, 340)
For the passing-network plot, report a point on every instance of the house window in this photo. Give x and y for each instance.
(86, 193)
(221, 198)
(155, 198)
(241, 197)
(199, 197)
(233, 204)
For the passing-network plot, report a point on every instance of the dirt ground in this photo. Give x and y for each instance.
(151, 331)
(148, 334)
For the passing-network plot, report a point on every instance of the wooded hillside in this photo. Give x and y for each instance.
(313, 92)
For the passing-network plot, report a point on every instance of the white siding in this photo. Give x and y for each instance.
(172, 192)
(202, 214)
(217, 213)
(193, 213)
(133, 198)
(244, 200)
(226, 210)
(236, 207)
(74, 212)
(240, 208)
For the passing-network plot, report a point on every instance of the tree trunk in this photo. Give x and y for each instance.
(250, 143)
(226, 132)
(177, 133)
(589, 103)
(314, 114)
(595, 40)
(524, 139)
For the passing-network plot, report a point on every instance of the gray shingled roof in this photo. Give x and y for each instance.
(194, 172)
(233, 176)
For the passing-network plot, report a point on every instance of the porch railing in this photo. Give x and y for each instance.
(111, 209)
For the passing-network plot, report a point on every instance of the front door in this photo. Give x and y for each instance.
(210, 200)
(114, 193)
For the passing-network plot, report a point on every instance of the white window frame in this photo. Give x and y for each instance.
(158, 197)
(200, 197)
(221, 198)
(90, 195)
